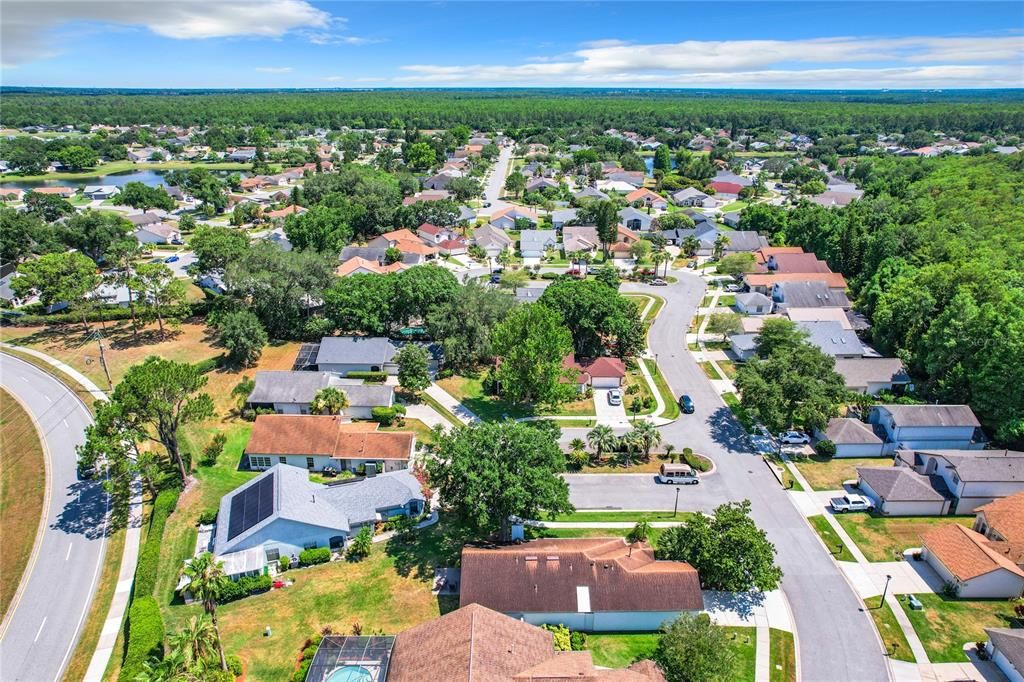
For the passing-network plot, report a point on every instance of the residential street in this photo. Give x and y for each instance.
(837, 641)
(496, 182)
(43, 626)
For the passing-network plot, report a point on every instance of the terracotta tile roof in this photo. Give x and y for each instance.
(834, 280)
(283, 212)
(761, 255)
(358, 262)
(726, 187)
(430, 229)
(965, 553)
(800, 262)
(627, 236)
(602, 367)
(61, 191)
(645, 194)
(1006, 517)
(407, 242)
(328, 436)
(546, 576)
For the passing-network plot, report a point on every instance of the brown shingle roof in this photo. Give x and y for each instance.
(834, 280)
(293, 434)
(546, 576)
(799, 262)
(966, 553)
(1006, 517)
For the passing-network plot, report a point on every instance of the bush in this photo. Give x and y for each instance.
(360, 546)
(399, 408)
(370, 377)
(149, 555)
(243, 587)
(284, 562)
(145, 636)
(578, 640)
(317, 555)
(207, 517)
(213, 450)
(385, 416)
(563, 640)
(550, 275)
(235, 665)
(826, 448)
(577, 459)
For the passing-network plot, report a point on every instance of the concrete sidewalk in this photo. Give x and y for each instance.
(449, 402)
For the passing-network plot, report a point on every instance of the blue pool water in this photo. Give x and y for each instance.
(350, 673)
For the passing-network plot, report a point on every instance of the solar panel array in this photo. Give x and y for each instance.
(252, 505)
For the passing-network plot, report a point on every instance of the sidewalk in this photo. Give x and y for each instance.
(451, 404)
(126, 575)
(723, 385)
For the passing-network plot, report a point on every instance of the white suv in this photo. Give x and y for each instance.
(794, 438)
(615, 397)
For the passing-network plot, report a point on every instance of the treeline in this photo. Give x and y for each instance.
(816, 113)
(935, 257)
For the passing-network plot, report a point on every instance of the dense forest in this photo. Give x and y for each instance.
(816, 113)
(935, 257)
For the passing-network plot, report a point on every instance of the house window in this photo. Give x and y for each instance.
(282, 460)
(337, 542)
(273, 554)
(309, 463)
(258, 462)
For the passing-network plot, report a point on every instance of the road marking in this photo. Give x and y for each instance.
(65, 421)
(68, 555)
(48, 398)
(41, 626)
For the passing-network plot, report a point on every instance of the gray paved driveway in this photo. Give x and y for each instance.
(43, 629)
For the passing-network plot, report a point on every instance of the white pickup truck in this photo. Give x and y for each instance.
(851, 503)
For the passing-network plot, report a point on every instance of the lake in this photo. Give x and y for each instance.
(147, 176)
(649, 163)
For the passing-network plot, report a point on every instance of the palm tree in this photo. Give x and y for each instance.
(603, 439)
(630, 445)
(195, 642)
(659, 257)
(670, 452)
(577, 444)
(690, 246)
(207, 582)
(721, 241)
(646, 436)
(641, 531)
(329, 400)
(168, 669)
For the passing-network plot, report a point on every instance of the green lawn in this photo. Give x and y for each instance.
(828, 473)
(734, 206)
(470, 392)
(710, 370)
(883, 538)
(831, 539)
(618, 650)
(890, 631)
(123, 166)
(727, 300)
(744, 643)
(738, 411)
(631, 516)
(534, 533)
(945, 625)
(423, 432)
(728, 367)
(671, 406)
(783, 656)
(440, 409)
(634, 377)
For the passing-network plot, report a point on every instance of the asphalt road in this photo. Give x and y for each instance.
(44, 626)
(496, 182)
(837, 640)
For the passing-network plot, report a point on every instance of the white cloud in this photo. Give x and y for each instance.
(274, 69)
(27, 25)
(821, 62)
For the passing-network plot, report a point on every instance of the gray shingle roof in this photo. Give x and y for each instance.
(984, 465)
(536, 240)
(355, 350)
(1010, 643)
(811, 295)
(846, 431)
(831, 338)
(900, 484)
(932, 415)
(752, 299)
(488, 235)
(287, 387)
(859, 372)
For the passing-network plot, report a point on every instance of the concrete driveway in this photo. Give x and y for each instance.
(643, 492)
(612, 415)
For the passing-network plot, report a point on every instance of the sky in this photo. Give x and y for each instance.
(308, 44)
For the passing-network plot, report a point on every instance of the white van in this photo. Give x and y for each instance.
(678, 473)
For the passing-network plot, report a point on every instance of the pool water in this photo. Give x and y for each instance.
(350, 673)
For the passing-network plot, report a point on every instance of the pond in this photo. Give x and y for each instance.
(149, 177)
(649, 164)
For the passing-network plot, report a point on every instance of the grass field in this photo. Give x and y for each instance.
(783, 656)
(671, 405)
(634, 377)
(618, 650)
(728, 367)
(828, 473)
(534, 533)
(836, 547)
(710, 370)
(470, 392)
(883, 538)
(890, 631)
(744, 644)
(22, 489)
(945, 625)
(123, 167)
(738, 411)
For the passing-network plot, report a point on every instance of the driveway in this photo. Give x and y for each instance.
(185, 259)
(44, 624)
(612, 415)
(642, 492)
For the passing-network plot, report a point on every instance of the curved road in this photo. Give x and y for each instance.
(837, 640)
(43, 626)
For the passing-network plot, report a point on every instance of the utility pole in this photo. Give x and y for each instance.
(675, 508)
(103, 361)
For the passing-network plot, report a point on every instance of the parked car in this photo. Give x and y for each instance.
(794, 438)
(171, 259)
(686, 404)
(156, 260)
(487, 204)
(658, 282)
(851, 503)
(495, 278)
(615, 397)
(678, 473)
(733, 287)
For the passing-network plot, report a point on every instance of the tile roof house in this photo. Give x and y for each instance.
(317, 441)
(288, 392)
(648, 198)
(796, 262)
(1002, 520)
(282, 213)
(447, 242)
(1006, 650)
(602, 372)
(974, 477)
(729, 190)
(852, 437)
(966, 560)
(358, 265)
(872, 375)
(476, 644)
(591, 584)
(492, 240)
(281, 512)
(922, 427)
(413, 249)
(577, 238)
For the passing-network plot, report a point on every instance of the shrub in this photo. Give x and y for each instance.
(213, 450)
(578, 640)
(360, 546)
(370, 377)
(399, 409)
(697, 462)
(235, 665)
(284, 563)
(243, 587)
(149, 555)
(383, 415)
(577, 459)
(145, 636)
(316, 555)
(207, 517)
(549, 275)
(826, 448)
(632, 389)
(563, 640)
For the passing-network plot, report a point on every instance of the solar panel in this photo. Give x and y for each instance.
(251, 506)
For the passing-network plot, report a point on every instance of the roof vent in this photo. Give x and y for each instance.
(529, 558)
(552, 557)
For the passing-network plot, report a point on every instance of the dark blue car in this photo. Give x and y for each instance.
(686, 404)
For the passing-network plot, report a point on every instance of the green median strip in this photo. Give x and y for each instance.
(836, 547)
(895, 642)
(671, 410)
(441, 409)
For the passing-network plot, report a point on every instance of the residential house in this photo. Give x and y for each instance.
(836, 315)
(441, 180)
(99, 192)
(973, 478)
(358, 265)
(742, 241)
(561, 216)
(764, 282)
(62, 192)
(622, 248)
(1006, 649)
(726, 190)
(448, 242)
(807, 294)
(534, 243)
(278, 238)
(539, 184)
(288, 392)
(832, 339)
(241, 155)
(529, 294)
(143, 219)
(414, 251)
(618, 186)
(727, 176)
(634, 179)
(589, 584)
(853, 438)
(281, 512)
(426, 196)
(580, 239)
(602, 372)
(280, 214)
(1002, 520)
(971, 565)
(344, 354)
(506, 218)
(796, 262)
(11, 193)
(754, 304)
(873, 375)
(691, 196)
(158, 233)
(590, 193)
(837, 196)
(647, 198)
(255, 182)
(900, 491)
(315, 442)
(743, 346)
(924, 427)
(492, 240)
(635, 220)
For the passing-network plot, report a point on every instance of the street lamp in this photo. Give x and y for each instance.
(675, 507)
(655, 363)
(884, 591)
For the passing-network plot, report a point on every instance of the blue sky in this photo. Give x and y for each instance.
(298, 43)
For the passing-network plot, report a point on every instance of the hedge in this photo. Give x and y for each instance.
(372, 377)
(149, 555)
(113, 313)
(145, 637)
(317, 555)
(386, 416)
(243, 587)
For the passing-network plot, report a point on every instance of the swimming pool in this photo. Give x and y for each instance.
(350, 673)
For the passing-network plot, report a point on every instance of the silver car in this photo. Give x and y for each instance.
(615, 397)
